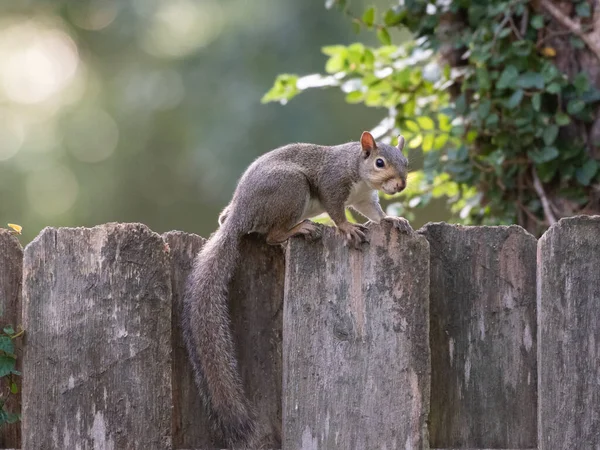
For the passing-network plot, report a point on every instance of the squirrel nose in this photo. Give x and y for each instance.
(400, 185)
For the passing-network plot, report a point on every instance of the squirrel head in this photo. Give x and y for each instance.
(384, 167)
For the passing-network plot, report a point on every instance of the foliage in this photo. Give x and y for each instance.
(486, 110)
(8, 361)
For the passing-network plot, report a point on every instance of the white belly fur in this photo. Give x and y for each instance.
(360, 192)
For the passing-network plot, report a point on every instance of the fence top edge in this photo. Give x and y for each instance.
(11, 239)
(108, 227)
(567, 223)
(178, 233)
(513, 228)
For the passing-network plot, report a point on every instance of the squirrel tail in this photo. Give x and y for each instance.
(209, 339)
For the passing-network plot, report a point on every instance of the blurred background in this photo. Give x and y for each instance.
(149, 110)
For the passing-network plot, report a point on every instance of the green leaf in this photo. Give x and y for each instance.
(14, 389)
(531, 80)
(492, 120)
(537, 21)
(392, 18)
(412, 126)
(440, 141)
(562, 119)
(581, 83)
(336, 63)
(9, 330)
(416, 141)
(368, 17)
(575, 106)
(508, 77)
(284, 89)
(428, 142)
(356, 26)
(586, 173)
(7, 364)
(6, 344)
(536, 102)
(515, 99)
(354, 97)
(553, 88)
(444, 122)
(384, 36)
(544, 155)
(483, 110)
(583, 9)
(425, 122)
(550, 134)
(483, 78)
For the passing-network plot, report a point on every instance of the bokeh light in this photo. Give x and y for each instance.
(39, 61)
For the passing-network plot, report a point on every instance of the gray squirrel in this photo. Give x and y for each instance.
(275, 197)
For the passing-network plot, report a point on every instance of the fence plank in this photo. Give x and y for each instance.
(569, 333)
(483, 336)
(356, 343)
(97, 356)
(256, 304)
(11, 262)
(256, 309)
(191, 428)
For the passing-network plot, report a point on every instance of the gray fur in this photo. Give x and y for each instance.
(274, 196)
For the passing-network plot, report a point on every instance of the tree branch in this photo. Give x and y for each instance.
(537, 185)
(592, 39)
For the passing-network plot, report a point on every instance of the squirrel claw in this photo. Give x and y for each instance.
(354, 234)
(400, 223)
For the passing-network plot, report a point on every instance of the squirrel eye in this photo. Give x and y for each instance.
(379, 163)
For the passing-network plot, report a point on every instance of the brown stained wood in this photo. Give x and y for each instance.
(97, 355)
(256, 305)
(483, 337)
(11, 264)
(569, 332)
(191, 428)
(356, 343)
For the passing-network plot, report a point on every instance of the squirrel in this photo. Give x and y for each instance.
(275, 197)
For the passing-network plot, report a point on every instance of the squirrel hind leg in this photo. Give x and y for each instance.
(306, 228)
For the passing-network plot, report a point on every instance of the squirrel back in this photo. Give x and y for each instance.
(274, 196)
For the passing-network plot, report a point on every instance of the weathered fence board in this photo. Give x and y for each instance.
(97, 355)
(483, 337)
(256, 305)
(356, 343)
(11, 268)
(569, 332)
(190, 423)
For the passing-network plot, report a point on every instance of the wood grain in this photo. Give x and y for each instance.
(356, 343)
(97, 356)
(483, 337)
(569, 332)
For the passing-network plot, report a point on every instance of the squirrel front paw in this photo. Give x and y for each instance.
(354, 233)
(310, 230)
(400, 223)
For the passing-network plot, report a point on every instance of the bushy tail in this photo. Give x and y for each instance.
(209, 340)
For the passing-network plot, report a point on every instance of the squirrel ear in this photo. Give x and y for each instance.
(400, 142)
(367, 142)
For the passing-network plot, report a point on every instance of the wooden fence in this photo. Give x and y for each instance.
(453, 337)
